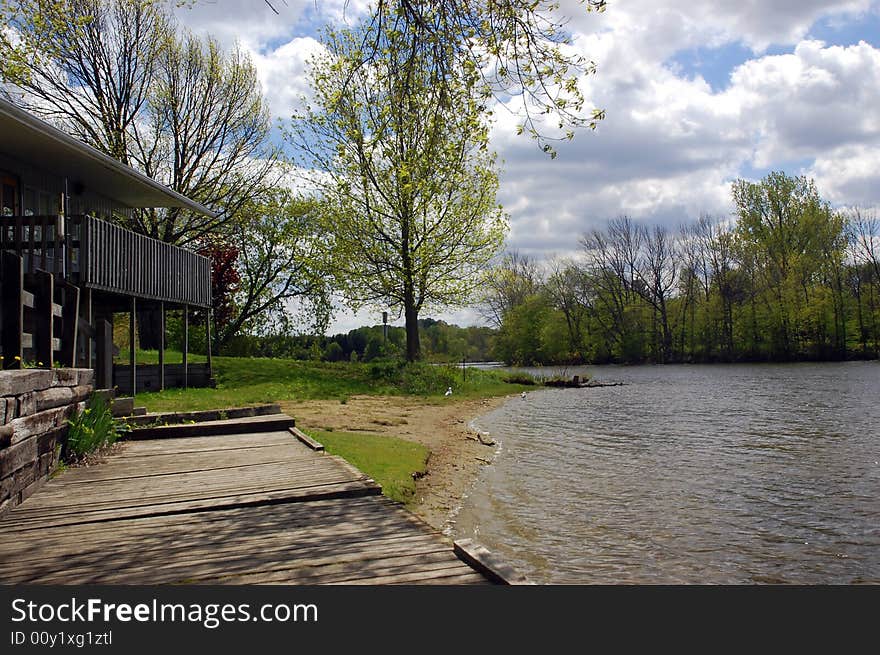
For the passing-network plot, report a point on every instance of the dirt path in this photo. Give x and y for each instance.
(441, 425)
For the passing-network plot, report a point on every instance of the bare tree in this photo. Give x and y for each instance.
(508, 284)
(206, 136)
(85, 65)
(657, 273)
(568, 287)
(863, 242)
(612, 256)
(115, 74)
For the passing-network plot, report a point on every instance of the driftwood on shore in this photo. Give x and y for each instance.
(577, 383)
(479, 437)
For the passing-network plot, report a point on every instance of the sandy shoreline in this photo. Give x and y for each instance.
(441, 425)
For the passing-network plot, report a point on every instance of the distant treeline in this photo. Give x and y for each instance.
(441, 342)
(787, 279)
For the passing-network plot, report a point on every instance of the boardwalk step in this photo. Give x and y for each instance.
(122, 406)
(168, 418)
(269, 423)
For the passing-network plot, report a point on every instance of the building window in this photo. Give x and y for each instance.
(8, 195)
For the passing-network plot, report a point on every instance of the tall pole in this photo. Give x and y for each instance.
(161, 345)
(186, 346)
(208, 342)
(132, 341)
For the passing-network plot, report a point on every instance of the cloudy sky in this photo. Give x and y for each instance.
(697, 94)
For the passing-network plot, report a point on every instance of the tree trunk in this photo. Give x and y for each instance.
(411, 314)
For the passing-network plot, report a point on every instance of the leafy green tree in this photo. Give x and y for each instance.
(504, 48)
(279, 262)
(790, 233)
(403, 161)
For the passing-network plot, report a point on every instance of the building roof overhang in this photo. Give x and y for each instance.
(35, 142)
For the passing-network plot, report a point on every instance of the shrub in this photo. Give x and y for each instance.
(92, 429)
(519, 378)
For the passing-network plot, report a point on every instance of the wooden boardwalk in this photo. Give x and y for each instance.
(252, 508)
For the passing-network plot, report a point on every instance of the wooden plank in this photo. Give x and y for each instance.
(201, 564)
(69, 325)
(188, 537)
(239, 509)
(218, 487)
(44, 294)
(27, 299)
(130, 468)
(481, 559)
(317, 519)
(88, 329)
(317, 446)
(325, 488)
(205, 444)
(269, 423)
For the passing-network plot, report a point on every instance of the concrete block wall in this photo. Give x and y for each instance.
(34, 407)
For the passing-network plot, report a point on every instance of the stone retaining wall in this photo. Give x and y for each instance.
(34, 407)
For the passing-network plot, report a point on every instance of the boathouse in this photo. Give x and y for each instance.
(67, 267)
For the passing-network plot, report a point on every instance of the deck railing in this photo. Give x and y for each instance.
(93, 253)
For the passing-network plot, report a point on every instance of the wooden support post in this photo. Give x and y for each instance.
(186, 346)
(161, 346)
(132, 346)
(104, 354)
(44, 299)
(90, 319)
(208, 342)
(12, 309)
(69, 324)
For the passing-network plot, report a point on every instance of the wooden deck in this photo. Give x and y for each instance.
(253, 508)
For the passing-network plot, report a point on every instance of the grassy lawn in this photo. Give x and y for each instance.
(389, 461)
(248, 381)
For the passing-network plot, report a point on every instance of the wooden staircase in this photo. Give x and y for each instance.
(40, 316)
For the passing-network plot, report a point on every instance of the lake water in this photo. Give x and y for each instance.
(688, 474)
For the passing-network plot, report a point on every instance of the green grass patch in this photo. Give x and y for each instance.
(388, 460)
(91, 430)
(248, 381)
(152, 357)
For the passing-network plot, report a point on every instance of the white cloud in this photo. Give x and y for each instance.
(816, 99)
(284, 74)
(849, 175)
(670, 146)
(671, 143)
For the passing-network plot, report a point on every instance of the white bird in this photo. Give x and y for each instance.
(523, 395)
(448, 391)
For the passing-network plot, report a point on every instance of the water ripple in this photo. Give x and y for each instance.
(689, 474)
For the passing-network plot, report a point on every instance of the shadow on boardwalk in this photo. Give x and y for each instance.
(256, 507)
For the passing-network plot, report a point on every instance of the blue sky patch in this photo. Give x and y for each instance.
(715, 64)
(839, 32)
